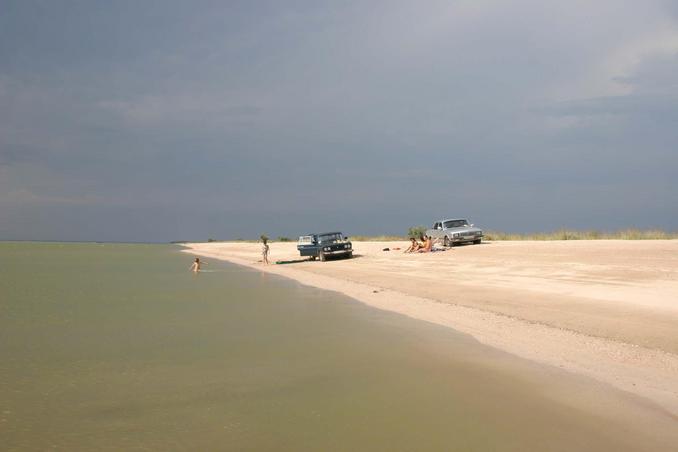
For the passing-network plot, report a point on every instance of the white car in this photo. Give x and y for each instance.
(455, 231)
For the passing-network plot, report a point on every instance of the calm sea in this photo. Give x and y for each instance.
(120, 347)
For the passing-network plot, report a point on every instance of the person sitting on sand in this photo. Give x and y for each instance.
(195, 268)
(428, 244)
(414, 246)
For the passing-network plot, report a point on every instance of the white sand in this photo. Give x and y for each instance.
(604, 309)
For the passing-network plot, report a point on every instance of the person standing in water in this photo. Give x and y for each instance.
(195, 268)
(264, 250)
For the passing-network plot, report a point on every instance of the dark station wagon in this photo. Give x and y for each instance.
(325, 245)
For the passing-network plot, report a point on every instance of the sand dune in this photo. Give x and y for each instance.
(604, 309)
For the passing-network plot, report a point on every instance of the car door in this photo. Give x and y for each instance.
(437, 231)
(306, 245)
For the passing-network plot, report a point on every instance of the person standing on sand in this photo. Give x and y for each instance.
(195, 268)
(264, 250)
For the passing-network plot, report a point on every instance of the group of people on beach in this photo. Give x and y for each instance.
(426, 245)
(423, 246)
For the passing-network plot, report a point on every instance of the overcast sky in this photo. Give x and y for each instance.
(167, 120)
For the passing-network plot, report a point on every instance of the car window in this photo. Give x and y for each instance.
(330, 238)
(456, 223)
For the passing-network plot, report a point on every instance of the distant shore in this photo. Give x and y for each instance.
(557, 235)
(604, 309)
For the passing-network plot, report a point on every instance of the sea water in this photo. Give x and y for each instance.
(121, 347)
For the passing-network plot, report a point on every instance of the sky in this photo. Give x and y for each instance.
(188, 120)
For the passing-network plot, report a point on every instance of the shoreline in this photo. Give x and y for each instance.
(526, 311)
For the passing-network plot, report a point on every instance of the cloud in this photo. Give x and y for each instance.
(26, 197)
(172, 110)
(310, 113)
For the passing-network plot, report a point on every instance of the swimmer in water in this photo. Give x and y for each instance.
(195, 268)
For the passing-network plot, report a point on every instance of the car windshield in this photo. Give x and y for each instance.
(329, 238)
(455, 224)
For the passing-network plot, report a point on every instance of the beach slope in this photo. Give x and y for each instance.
(603, 309)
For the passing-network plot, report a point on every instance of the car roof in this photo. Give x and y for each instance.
(454, 219)
(325, 233)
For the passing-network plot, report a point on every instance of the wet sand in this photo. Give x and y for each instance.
(607, 310)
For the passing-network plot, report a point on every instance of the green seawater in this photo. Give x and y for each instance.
(121, 347)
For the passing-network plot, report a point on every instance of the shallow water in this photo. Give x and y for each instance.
(120, 347)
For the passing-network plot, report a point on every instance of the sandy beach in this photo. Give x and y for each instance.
(607, 310)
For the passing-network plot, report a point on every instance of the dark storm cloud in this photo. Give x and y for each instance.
(164, 120)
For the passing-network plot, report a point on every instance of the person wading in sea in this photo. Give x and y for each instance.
(195, 267)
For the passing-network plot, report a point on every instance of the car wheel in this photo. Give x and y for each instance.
(349, 255)
(477, 242)
(446, 241)
(322, 257)
(313, 258)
